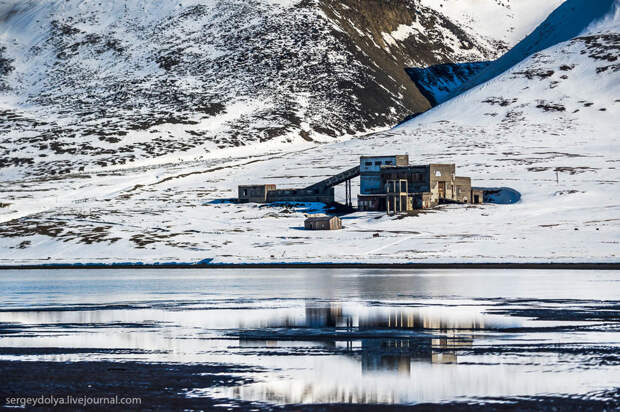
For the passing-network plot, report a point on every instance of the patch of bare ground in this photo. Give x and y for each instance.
(550, 107)
(563, 169)
(535, 73)
(567, 192)
(143, 240)
(64, 231)
(604, 47)
(560, 154)
(501, 101)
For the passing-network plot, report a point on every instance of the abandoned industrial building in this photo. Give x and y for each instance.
(387, 183)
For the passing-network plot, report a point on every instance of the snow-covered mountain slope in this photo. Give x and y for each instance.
(564, 23)
(505, 22)
(437, 82)
(546, 127)
(90, 85)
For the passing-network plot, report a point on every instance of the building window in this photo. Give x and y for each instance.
(378, 163)
(368, 163)
(388, 162)
(245, 192)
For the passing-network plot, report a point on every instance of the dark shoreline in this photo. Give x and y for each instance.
(530, 266)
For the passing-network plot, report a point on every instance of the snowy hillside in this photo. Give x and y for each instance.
(546, 127)
(565, 23)
(504, 21)
(87, 85)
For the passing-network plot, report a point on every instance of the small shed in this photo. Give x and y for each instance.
(323, 223)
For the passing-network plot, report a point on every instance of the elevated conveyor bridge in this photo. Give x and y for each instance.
(343, 177)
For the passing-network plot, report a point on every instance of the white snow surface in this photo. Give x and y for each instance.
(547, 127)
(508, 21)
(564, 23)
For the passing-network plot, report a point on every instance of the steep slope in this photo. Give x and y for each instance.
(546, 128)
(566, 22)
(437, 82)
(503, 22)
(90, 84)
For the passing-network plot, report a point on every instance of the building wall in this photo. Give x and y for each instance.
(335, 224)
(425, 178)
(371, 203)
(442, 176)
(417, 177)
(323, 224)
(421, 200)
(463, 189)
(301, 195)
(477, 196)
(254, 193)
(370, 171)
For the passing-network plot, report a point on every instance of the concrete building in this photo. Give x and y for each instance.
(387, 183)
(324, 195)
(409, 187)
(255, 193)
(436, 179)
(323, 223)
(372, 188)
(462, 189)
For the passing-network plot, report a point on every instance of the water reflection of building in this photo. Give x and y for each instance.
(383, 340)
(416, 319)
(330, 316)
(393, 342)
(395, 355)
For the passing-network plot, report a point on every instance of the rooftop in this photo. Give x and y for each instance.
(320, 218)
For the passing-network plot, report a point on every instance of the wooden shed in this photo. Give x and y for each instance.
(323, 223)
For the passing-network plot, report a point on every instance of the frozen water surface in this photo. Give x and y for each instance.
(289, 337)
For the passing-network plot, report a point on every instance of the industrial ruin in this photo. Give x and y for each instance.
(387, 183)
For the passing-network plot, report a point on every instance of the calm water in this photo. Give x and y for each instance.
(331, 336)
